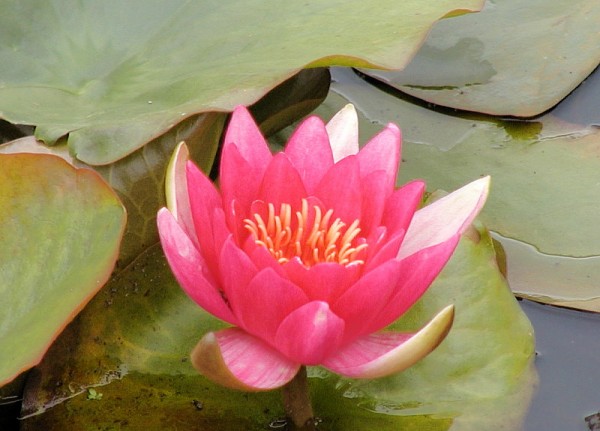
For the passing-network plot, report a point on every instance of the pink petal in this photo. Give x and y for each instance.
(220, 232)
(309, 151)
(266, 301)
(239, 183)
(340, 190)
(362, 302)
(282, 184)
(323, 281)
(190, 269)
(343, 133)
(262, 258)
(310, 333)
(236, 271)
(373, 201)
(381, 354)
(417, 273)
(401, 206)
(445, 217)
(203, 200)
(237, 360)
(244, 159)
(243, 132)
(387, 251)
(176, 190)
(382, 153)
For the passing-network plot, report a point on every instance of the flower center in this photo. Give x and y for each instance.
(311, 236)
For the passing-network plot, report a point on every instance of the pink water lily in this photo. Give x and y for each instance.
(309, 253)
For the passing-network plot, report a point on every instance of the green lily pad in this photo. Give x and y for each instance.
(115, 75)
(491, 337)
(132, 344)
(137, 175)
(138, 178)
(60, 229)
(543, 196)
(513, 58)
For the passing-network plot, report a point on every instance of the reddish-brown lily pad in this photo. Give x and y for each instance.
(60, 230)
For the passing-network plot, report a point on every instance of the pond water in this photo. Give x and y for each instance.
(568, 351)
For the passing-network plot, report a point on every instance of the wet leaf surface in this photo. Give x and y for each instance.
(60, 230)
(543, 200)
(67, 72)
(513, 58)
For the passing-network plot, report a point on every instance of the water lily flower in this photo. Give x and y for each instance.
(309, 253)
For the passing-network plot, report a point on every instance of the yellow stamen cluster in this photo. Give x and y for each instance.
(323, 241)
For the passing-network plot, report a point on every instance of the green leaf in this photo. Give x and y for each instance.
(115, 75)
(135, 337)
(139, 178)
(483, 370)
(542, 203)
(513, 58)
(60, 229)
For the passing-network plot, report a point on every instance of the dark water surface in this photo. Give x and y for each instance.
(568, 363)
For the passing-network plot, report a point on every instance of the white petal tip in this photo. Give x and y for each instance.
(237, 360)
(412, 350)
(176, 175)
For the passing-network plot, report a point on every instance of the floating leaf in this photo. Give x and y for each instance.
(513, 58)
(115, 75)
(60, 229)
(543, 194)
(139, 178)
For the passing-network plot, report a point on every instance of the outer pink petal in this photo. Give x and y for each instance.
(343, 133)
(417, 273)
(387, 251)
(237, 360)
(364, 300)
(243, 132)
(382, 153)
(310, 334)
(323, 281)
(236, 270)
(189, 267)
(401, 206)
(239, 183)
(444, 218)
(244, 159)
(381, 354)
(340, 190)
(282, 184)
(266, 301)
(373, 201)
(309, 151)
(203, 200)
(176, 191)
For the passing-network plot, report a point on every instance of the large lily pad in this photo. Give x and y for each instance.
(131, 345)
(513, 58)
(60, 230)
(544, 196)
(115, 74)
(138, 178)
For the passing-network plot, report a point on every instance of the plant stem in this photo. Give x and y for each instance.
(296, 401)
